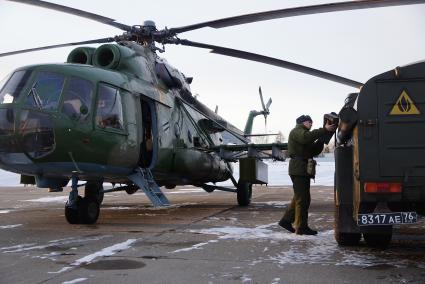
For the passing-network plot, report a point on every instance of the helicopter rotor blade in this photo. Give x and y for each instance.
(75, 12)
(297, 11)
(165, 35)
(101, 40)
(261, 98)
(271, 61)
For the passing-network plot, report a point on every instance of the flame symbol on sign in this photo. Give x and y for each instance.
(404, 104)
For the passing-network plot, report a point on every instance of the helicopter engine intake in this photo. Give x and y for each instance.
(123, 59)
(81, 55)
(107, 56)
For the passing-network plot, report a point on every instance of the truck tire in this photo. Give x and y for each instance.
(343, 238)
(421, 209)
(378, 240)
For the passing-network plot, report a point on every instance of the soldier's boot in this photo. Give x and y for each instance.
(305, 231)
(286, 225)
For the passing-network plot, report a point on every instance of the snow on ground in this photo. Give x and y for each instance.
(10, 226)
(78, 280)
(57, 199)
(321, 249)
(278, 174)
(108, 251)
(277, 204)
(119, 208)
(51, 244)
(187, 190)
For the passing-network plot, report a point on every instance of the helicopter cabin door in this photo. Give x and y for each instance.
(148, 144)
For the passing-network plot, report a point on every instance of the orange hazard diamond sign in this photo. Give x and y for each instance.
(404, 105)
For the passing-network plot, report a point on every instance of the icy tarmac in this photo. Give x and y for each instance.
(201, 238)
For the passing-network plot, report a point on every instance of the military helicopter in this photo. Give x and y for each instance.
(119, 113)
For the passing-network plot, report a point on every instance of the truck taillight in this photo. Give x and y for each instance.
(382, 187)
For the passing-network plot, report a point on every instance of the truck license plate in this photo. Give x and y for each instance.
(387, 218)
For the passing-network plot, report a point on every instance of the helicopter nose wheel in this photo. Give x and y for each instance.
(88, 211)
(85, 210)
(71, 212)
(244, 193)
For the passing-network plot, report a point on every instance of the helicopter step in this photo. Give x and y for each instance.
(144, 179)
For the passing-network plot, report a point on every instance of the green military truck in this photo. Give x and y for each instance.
(380, 157)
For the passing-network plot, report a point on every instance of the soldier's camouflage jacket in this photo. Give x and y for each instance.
(302, 145)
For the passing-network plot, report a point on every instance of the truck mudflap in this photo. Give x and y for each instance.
(393, 218)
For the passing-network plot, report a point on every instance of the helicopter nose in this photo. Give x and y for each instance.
(30, 136)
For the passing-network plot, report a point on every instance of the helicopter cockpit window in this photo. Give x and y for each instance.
(45, 91)
(38, 138)
(77, 98)
(13, 87)
(109, 108)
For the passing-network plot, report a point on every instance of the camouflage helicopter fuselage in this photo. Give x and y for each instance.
(104, 113)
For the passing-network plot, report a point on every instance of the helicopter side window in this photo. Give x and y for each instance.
(77, 98)
(13, 87)
(109, 108)
(45, 91)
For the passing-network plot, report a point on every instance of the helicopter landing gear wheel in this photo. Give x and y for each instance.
(71, 212)
(131, 189)
(244, 193)
(94, 191)
(85, 210)
(88, 210)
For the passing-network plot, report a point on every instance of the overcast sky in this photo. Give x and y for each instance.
(357, 45)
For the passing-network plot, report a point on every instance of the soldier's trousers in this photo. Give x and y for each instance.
(297, 212)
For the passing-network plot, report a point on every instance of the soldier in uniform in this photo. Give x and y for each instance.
(303, 145)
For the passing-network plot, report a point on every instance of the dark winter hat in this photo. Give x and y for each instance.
(304, 118)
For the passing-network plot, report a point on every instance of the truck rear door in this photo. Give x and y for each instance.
(401, 122)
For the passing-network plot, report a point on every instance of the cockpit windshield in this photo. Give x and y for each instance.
(46, 90)
(10, 92)
(77, 98)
